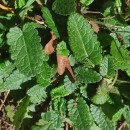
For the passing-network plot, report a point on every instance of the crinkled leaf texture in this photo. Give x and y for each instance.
(49, 121)
(107, 67)
(80, 115)
(82, 40)
(14, 81)
(125, 35)
(26, 50)
(37, 94)
(49, 20)
(64, 7)
(100, 98)
(85, 75)
(64, 90)
(101, 120)
(121, 56)
(62, 49)
(45, 75)
(6, 68)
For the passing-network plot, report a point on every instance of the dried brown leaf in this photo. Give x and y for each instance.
(94, 26)
(63, 64)
(50, 46)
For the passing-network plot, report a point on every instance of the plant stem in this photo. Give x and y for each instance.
(122, 125)
(115, 79)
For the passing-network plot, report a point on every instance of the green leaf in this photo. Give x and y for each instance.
(59, 105)
(100, 98)
(83, 91)
(49, 20)
(101, 120)
(63, 90)
(14, 81)
(124, 35)
(1, 40)
(82, 40)
(121, 56)
(37, 94)
(20, 113)
(72, 60)
(28, 3)
(126, 114)
(86, 2)
(6, 67)
(62, 49)
(10, 111)
(2, 89)
(49, 121)
(107, 67)
(117, 115)
(102, 94)
(118, 51)
(24, 48)
(95, 127)
(64, 7)
(46, 126)
(80, 115)
(85, 75)
(45, 75)
(108, 8)
(37, 25)
(19, 3)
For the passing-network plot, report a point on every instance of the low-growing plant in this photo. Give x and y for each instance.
(65, 64)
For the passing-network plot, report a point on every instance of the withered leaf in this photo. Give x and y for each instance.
(50, 46)
(38, 18)
(63, 64)
(94, 26)
(61, 61)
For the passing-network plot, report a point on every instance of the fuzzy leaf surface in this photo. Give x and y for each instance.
(6, 68)
(121, 56)
(64, 90)
(45, 75)
(37, 94)
(107, 67)
(101, 120)
(24, 48)
(14, 81)
(62, 49)
(80, 115)
(82, 40)
(85, 75)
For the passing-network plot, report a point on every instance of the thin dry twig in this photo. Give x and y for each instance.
(40, 22)
(92, 12)
(6, 95)
(66, 126)
(122, 125)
